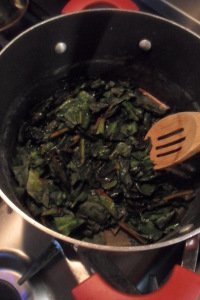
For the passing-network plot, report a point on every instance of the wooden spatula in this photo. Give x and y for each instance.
(174, 139)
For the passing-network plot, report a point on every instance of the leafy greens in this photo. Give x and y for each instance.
(82, 165)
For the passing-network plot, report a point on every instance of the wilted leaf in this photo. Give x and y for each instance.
(146, 189)
(37, 188)
(67, 223)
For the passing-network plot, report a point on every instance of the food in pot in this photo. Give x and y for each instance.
(82, 165)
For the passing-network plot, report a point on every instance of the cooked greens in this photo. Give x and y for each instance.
(82, 165)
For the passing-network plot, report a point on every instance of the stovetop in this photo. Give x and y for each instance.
(21, 244)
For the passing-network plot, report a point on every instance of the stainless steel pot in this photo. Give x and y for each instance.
(157, 54)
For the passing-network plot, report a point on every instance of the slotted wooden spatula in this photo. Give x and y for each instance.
(174, 139)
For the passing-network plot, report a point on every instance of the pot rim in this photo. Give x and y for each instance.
(78, 243)
(99, 10)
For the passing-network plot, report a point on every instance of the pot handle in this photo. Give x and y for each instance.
(183, 284)
(78, 5)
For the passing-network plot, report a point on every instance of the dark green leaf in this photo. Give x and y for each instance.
(146, 189)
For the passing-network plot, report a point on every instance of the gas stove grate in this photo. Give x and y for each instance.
(8, 291)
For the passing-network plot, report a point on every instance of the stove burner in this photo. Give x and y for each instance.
(12, 267)
(8, 292)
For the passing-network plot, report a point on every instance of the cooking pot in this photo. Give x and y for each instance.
(157, 54)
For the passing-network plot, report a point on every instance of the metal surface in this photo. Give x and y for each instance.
(8, 291)
(41, 262)
(20, 244)
(10, 273)
(145, 45)
(184, 12)
(11, 11)
(106, 54)
(191, 253)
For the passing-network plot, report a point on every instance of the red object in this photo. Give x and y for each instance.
(78, 5)
(183, 284)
